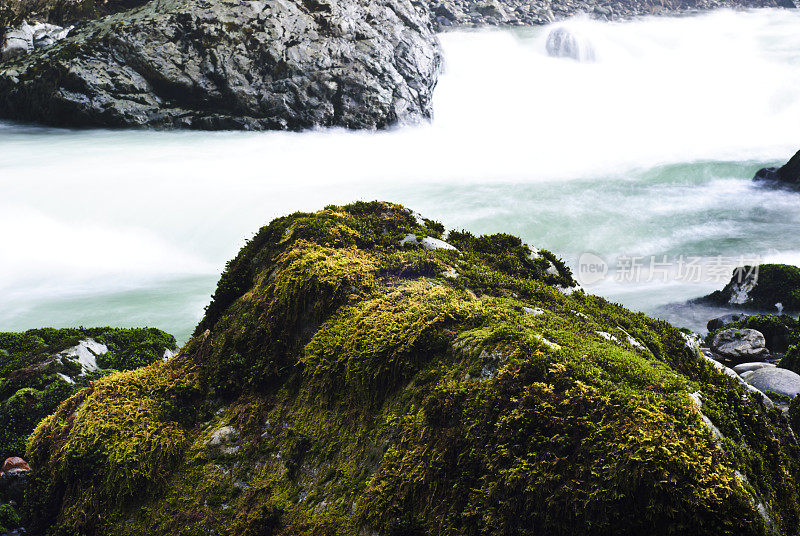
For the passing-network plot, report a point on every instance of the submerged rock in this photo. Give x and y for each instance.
(233, 64)
(355, 381)
(563, 43)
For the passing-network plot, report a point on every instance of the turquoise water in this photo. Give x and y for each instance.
(647, 151)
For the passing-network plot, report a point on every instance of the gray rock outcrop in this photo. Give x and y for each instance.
(233, 64)
(788, 174)
(740, 345)
(748, 367)
(774, 381)
(28, 37)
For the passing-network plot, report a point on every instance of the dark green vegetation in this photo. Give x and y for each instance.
(8, 518)
(341, 383)
(776, 283)
(31, 387)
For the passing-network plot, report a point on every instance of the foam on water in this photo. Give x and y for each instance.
(648, 150)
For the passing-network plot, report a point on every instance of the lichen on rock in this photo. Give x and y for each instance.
(356, 388)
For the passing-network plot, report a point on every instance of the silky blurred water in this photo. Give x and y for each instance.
(649, 150)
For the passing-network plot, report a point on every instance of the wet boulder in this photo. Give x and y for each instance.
(740, 346)
(563, 43)
(774, 382)
(788, 174)
(748, 367)
(14, 479)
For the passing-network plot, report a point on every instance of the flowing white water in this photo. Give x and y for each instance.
(648, 150)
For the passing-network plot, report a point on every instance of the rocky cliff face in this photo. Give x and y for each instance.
(360, 371)
(233, 64)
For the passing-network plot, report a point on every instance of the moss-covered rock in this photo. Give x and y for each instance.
(40, 368)
(349, 380)
(762, 287)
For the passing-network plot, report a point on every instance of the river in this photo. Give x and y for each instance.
(648, 150)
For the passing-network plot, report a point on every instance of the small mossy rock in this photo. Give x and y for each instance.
(740, 345)
(777, 383)
(14, 463)
(374, 395)
(233, 64)
(780, 331)
(716, 324)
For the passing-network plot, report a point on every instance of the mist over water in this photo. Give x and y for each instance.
(647, 150)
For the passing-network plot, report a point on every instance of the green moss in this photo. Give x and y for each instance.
(129, 349)
(118, 438)
(32, 382)
(9, 518)
(776, 283)
(374, 387)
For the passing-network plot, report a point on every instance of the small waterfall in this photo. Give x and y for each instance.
(562, 43)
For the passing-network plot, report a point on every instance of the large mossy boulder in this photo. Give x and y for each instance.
(40, 368)
(348, 378)
(766, 287)
(233, 64)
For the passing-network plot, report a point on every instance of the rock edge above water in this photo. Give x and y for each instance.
(252, 65)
